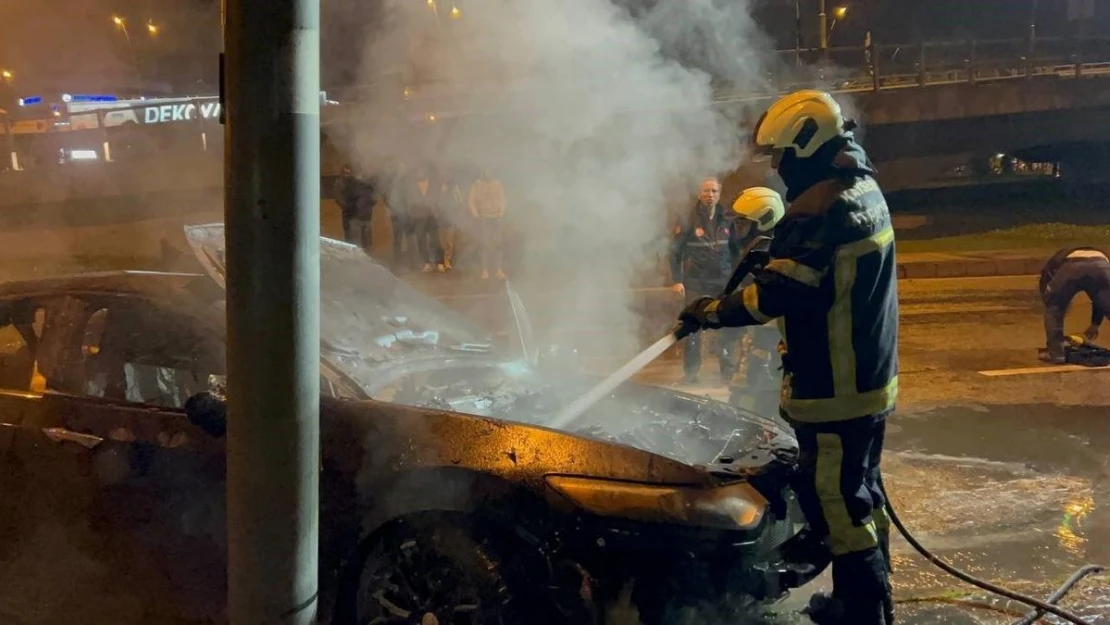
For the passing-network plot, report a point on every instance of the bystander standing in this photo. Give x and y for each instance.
(422, 196)
(702, 252)
(452, 212)
(361, 225)
(486, 202)
(401, 222)
(347, 196)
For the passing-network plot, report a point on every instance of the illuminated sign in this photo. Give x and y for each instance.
(30, 101)
(88, 98)
(185, 111)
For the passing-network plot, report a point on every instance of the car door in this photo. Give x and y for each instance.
(118, 498)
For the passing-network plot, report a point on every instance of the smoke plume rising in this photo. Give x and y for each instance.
(596, 118)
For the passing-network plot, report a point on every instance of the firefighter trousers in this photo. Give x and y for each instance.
(839, 490)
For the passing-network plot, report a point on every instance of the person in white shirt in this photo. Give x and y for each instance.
(486, 202)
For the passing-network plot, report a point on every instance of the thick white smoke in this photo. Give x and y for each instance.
(594, 118)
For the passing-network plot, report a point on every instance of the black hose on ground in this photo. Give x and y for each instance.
(1040, 606)
(970, 604)
(1064, 589)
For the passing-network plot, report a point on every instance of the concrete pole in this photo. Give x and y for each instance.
(1030, 55)
(798, 33)
(272, 216)
(1033, 25)
(823, 24)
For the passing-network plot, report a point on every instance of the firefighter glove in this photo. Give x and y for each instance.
(701, 314)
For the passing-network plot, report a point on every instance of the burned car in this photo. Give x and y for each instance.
(444, 498)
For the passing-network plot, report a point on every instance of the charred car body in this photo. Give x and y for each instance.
(441, 491)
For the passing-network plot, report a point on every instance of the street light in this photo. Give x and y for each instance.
(455, 12)
(121, 23)
(151, 28)
(838, 14)
(6, 74)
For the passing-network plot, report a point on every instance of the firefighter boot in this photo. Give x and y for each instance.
(861, 582)
(861, 592)
(888, 600)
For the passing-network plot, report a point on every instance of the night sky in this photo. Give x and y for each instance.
(56, 46)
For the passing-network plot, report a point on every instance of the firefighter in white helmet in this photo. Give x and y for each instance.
(830, 280)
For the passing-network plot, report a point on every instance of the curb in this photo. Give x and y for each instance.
(909, 270)
(971, 268)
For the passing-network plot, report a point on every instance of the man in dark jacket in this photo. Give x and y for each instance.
(702, 253)
(830, 281)
(401, 221)
(1069, 272)
(347, 194)
(422, 202)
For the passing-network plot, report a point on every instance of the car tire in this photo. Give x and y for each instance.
(433, 570)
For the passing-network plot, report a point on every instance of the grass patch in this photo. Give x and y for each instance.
(1050, 236)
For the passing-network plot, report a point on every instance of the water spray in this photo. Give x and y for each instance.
(748, 263)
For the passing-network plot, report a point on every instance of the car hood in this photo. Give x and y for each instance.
(376, 329)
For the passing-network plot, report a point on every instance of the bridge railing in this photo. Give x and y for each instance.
(897, 66)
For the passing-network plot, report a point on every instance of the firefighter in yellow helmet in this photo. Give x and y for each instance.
(756, 212)
(830, 281)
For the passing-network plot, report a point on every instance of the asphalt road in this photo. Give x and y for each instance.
(1006, 477)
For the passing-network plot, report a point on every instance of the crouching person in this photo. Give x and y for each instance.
(1069, 272)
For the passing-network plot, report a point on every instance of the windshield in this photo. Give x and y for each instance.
(369, 318)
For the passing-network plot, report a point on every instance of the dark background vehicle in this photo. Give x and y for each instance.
(112, 506)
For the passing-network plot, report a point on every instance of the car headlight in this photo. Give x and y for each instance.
(734, 507)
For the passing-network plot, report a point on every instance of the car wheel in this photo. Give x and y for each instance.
(432, 571)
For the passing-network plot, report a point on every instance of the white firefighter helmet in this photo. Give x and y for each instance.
(761, 205)
(803, 121)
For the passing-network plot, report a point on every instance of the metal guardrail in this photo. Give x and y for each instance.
(879, 68)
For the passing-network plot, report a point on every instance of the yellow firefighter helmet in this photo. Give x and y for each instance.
(803, 121)
(760, 205)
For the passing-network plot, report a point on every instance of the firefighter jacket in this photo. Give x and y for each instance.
(704, 247)
(831, 283)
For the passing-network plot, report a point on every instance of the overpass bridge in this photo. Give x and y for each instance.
(926, 109)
